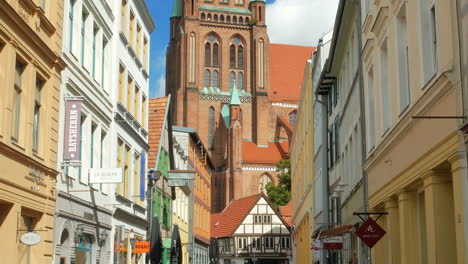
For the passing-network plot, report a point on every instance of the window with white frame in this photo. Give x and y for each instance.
(256, 242)
(242, 243)
(370, 108)
(429, 39)
(269, 242)
(403, 58)
(285, 242)
(385, 88)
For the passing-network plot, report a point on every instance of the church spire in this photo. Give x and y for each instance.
(235, 99)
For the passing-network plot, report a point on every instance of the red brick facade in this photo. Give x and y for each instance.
(239, 26)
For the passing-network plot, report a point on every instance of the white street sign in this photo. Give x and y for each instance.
(31, 238)
(111, 175)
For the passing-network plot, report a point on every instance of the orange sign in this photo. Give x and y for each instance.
(141, 247)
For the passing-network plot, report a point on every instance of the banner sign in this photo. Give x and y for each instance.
(71, 152)
(333, 243)
(177, 183)
(142, 175)
(112, 175)
(141, 247)
(370, 232)
(181, 175)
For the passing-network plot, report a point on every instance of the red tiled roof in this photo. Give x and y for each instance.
(266, 155)
(337, 231)
(157, 113)
(287, 65)
(225, 223)
(286, 212)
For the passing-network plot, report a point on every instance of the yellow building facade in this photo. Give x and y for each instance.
(416, 163)
(30, 67)
(302, 168)
(180, 217)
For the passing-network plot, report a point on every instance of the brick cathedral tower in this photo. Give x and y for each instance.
(216, 46)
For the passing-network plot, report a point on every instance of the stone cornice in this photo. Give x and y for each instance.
(145, 14)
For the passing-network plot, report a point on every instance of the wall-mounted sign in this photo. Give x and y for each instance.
(177, 183)
(181, 175)
(71, 151)
(370, 232)
(333, 243)
(112, 175)
(31, 238)
(88, 216)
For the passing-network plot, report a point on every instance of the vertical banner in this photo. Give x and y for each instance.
(142, 175)
(71, 152)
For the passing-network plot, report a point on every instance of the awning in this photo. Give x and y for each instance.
(334, 232)
(176, 250)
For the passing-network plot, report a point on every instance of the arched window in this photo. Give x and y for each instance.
(215, 55)
(207, 54)
(264, 180)
(292, 118)
(221, 18)
(84, 249)
(215, 79)
(241, 20)
(247, 20)
(232, 79)
(207, 78)
(215, 18)
(228, 19)
(203, 16)
(232, 52)
(240, 81)
(240, 57)
(211, 128)
(209, 17)
(259, 13)
(234, 20)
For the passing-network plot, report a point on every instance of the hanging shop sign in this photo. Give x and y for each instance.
(333, 243)
(181, 175)
(30, 238)
(370, 232)
(71, 152)
(142, 247)
(177, 183)
(111, 175)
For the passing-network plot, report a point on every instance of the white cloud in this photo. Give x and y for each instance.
(161, 90)
(300, 22)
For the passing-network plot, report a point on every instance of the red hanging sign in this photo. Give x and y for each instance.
(370, 232)
(333, 243)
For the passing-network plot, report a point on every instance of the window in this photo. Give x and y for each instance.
(143, 112)
(221, 18)
(215, 55)
(232, 52)
(95, 32)
(132, 30)
(209, 17)
(335, 93)
(261, 63)
(337, 140)
(330, 149)
(70, 15)
(434, 37)
(80, 171)
(129, 93)
(292, 118)
(138, 41)
(224, 1)
(241, 20)
(136, 177)
(239, 2)
(124, 16)
(215, 18)
(19, 70)
(192, 58)
(103, 62)
(215, 79)
(120, 161)
(240, 80)
(240, 57)
(37, 108)
(385, 89)
(207, 78)
(371, 108)
(262, 219)
(136, 103)
(211, 126)
(228, 19)
(242, 243)
(264, 180)
(256, 243)
(232, 80)
(207, 54)
(91, 145)
(267, 219)
(429, 39)
(234, 20)
(101, 152)
(403, 58)
(84, 17)
(126, 170)
(145, 53)
(121, 83)
(203, 16)
(285, 242)
(269, 242)
(227, 245)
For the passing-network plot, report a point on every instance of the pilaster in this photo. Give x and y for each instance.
(439, 218)
(408, 218)
(393, 230)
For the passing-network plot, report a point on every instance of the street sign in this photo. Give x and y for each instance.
(370, 232)
(31, 238)
(111, 175)
(333, 243)
(181, 175)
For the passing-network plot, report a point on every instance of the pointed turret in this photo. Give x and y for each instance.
(235, 99)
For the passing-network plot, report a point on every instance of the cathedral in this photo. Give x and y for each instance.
(236, 89)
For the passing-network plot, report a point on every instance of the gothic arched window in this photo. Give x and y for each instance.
(221, 18)
(211, 124)
(232, 52)
(234, 20)
(207, 78)
(215, 18)
(240, 80)
(264, 180)
(228, 19)
(241, 20)
(215, 79)
(240, 57)
(209, 17)
(215, 55)
(232, 78)
(207, 54)
(203, 16)
(292, 118)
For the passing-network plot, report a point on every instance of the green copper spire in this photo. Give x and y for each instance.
(235, 100)
(177, 9)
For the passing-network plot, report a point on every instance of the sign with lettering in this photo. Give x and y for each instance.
(112, 175)
(141, 247)
(31, 238)
(181, 175)
(333, 243)
(370, 232)
(177, 183)
(71, 151)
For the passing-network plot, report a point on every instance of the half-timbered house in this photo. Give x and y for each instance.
(251, 230)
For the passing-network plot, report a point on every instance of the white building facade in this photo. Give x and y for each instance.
(87, 214)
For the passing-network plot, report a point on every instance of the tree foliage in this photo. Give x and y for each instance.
(281, 194)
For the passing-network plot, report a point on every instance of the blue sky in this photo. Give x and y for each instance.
(296, 22)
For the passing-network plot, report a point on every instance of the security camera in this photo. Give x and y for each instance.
(154, 174)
